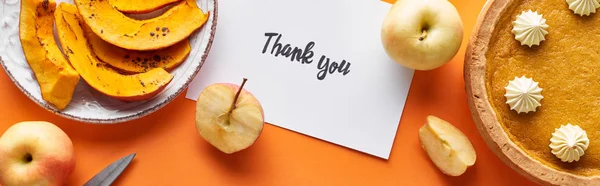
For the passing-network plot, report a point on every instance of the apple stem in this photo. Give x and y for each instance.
(423, 35)
(237, 95)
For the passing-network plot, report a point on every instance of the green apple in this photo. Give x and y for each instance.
(449, 149)
(35, 153)
(229, 117)
(422, 34)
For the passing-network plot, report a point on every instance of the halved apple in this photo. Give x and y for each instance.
(229, 117)
(448, 148)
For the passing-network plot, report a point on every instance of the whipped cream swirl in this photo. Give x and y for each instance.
(583, 7)
(523, 94)
(569, 142)
(530, 28)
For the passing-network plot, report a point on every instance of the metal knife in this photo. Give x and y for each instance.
(111, 172)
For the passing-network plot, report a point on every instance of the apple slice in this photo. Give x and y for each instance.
(229, 117)
(448, 148)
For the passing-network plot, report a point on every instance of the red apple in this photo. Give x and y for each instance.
(229, 117)
(35, 153)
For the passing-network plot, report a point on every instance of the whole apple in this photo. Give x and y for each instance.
(35, 153)
(422, 34)
(229, 117)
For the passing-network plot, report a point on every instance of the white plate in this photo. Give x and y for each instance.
(88, 105)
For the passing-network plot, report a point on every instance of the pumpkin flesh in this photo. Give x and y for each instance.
(175, 25)
(98, 75)
(133, 61)
(140, 6)
(57, 79)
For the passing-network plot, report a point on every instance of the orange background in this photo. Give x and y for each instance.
(170, 151)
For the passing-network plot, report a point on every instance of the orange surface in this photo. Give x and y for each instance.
(170, 152)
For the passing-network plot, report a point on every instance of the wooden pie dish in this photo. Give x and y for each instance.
(492, 59)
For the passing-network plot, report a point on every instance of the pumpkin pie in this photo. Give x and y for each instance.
(564, 61)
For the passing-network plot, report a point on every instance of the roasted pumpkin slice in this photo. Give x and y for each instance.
(173, 26)
(133, 61)
(140, 6)
(57, 79)
(97, 74)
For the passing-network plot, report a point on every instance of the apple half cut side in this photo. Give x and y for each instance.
(229, 117)
(448, 148)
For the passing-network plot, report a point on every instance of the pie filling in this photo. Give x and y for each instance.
(565, 63)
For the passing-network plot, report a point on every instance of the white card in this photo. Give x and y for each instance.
(358, 105)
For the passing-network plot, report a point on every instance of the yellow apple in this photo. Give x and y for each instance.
(422, 34)
(229, 117)
(448, 148)
(35, 153)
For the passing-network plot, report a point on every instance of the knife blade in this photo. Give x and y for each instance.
(111, 172)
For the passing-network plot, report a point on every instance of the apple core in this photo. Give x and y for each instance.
(227, 116)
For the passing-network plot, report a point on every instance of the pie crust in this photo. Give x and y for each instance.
(484, 115)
